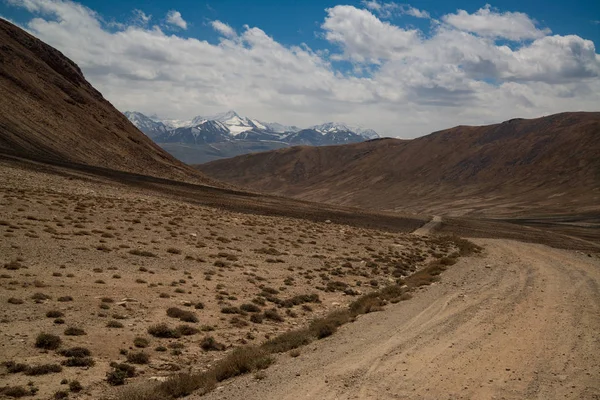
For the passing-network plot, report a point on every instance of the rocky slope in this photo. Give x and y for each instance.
(49, 112)
(544, 165)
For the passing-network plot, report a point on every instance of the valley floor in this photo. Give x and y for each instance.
(520, 322)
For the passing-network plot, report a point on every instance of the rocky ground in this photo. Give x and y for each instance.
(98, 264)
(522, 321)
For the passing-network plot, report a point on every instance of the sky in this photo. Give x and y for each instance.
(402, 69)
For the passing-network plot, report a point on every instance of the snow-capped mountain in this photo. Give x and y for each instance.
(330, 127)
(243, 132)
(203, 131)
(149, 126)
(278, 128)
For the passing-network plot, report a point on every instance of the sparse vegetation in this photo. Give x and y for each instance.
(162, 262)
(47, 341)
(183, 315)
(163, 331)
(74, 331)
(138, 358)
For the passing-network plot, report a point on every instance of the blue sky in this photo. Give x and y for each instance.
(402, 69)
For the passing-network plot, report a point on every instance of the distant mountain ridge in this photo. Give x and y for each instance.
(230, 134)
(542, 166)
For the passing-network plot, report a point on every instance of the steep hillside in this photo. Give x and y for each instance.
(49, 112)
(541, 166)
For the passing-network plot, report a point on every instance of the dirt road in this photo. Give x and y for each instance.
(521, 322)
(429, 227)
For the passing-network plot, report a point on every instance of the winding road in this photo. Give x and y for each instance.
(522, 321)
(429, 227)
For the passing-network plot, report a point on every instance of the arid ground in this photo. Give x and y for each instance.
(519, 322)
(110, 260)
(82, 251)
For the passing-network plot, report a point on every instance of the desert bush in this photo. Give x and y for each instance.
(141, 342)
(199, 305)
(241, 361)
(47, 341)
(54, 314)
(74, 331)
(163, 331)
(114, 324)
(120, 372)
(326, 326)
(139, 357)
(75, 386)
(230, 310)
(14, 368)
(60, 394)
(15, 391)
(249, 307)
(288, 341)
(40, 296)
(76, 352)
(79, 362)
(366, 304)
(187, 330)
(183, 315)
(257, 318)
(142, 253)
(43, 369)
(209, 343)
(13, 265)
(14, 300)
(273, 315)
(300, 299)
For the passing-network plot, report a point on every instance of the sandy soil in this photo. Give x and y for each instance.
(113, 258)
(520, 322)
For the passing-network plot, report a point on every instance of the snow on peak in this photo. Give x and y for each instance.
(236, 124)
(332, 127)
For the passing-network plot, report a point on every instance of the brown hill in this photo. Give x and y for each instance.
(542, 166)
(49, 112)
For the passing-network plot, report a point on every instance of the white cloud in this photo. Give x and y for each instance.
(415, 12)
(140, 17)
(419, 83)
(223, 29)
(387, 10)
(364, 37)
(175, 18)
(487, 22)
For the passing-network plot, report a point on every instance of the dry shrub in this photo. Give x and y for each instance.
(79, 362)
(288, 341)
(366, 304)
(183, 315)
(43, 369)
(181, 385)
(15, 391)
(163, 331)
(241, 361)
(138, 358)
(76, 352)
(209, 343)
(327, 325)
(47, 341)
(74, 331)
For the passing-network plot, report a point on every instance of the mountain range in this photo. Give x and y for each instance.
(540, 166)
(205, 138)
